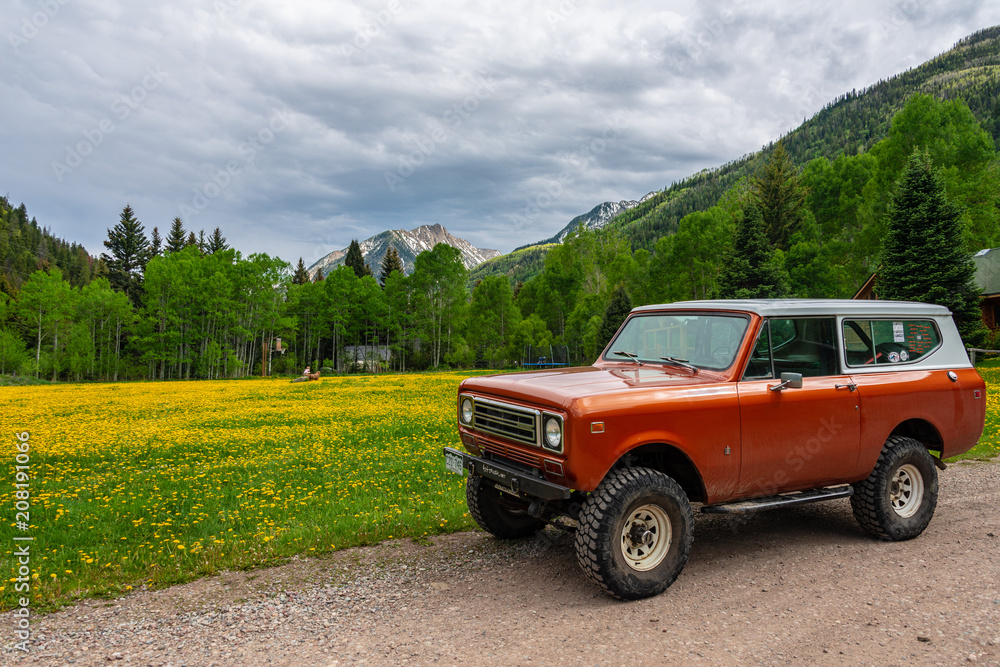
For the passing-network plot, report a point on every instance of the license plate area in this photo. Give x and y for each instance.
(453, 463)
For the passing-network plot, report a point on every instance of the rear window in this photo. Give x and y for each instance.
(889, 342)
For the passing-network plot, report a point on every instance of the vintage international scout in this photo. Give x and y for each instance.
(736, 405)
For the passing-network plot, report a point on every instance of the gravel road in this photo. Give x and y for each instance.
(781, 587)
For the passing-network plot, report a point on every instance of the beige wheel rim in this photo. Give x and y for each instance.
(646, 537)
(906, 491)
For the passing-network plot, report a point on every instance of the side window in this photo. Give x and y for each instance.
(759, 366)
(803, 346)
(782, 333)
(880, 342)
(812, 351)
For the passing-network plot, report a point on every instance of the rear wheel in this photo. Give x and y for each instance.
(635, 533)
(498, 513)
(897, 500)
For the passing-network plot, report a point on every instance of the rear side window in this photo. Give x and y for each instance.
(888, 342)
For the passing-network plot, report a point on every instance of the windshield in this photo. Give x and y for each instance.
(703, 341)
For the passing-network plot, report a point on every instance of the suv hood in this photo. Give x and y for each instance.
(558, 388)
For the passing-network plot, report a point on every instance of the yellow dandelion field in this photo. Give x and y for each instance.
(147, 484)
(154, 483)
(989, 444)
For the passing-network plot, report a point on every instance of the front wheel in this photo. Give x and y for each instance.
(635, 533)
(897, 500)
(497, 513)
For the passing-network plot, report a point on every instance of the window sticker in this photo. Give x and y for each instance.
(898, 335)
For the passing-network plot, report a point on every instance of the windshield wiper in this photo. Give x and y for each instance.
(681, 362)
(633, 357)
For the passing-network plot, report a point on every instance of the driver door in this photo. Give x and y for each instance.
(803, 437)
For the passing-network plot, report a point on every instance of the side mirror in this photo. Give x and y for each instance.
(788, 381)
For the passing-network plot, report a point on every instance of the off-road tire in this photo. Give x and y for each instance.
(497, 514)
(897, 500)
(628, 500)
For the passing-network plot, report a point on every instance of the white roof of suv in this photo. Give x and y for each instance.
(806, 307)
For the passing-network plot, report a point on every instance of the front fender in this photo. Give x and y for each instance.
(703, 424)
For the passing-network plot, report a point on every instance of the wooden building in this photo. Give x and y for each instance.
(987, 263)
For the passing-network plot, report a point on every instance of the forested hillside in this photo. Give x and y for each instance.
(518, 266)
(825, 224)
(26, 247)
(849, 125)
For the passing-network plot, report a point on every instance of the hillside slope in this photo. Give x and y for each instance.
(852, 123)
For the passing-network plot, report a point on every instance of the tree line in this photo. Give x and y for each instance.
(822, 232)
(186, 306)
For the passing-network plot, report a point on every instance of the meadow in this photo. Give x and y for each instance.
(156, 483)
(150, 484)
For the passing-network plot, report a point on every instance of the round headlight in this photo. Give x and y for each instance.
(553, 433)
(467, 410)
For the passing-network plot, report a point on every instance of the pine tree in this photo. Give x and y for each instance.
(129, 252)
(192, 240)
(216, 242)
(356, 260)
(616, 312)
(922, 253)
(301, 276)
(776, 189)
(6, 287)
(176, 238)
(318, 278)
(390, 262)
(748, 267)
(155, 243)
(202, 244)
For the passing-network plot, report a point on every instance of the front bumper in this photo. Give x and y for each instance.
(519, 482)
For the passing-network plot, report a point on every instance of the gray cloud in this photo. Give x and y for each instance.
(296, 127)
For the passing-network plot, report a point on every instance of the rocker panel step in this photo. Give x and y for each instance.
(770, 502)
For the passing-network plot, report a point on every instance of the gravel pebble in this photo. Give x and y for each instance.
(800, 584)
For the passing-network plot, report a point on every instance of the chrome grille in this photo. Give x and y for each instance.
(509, 421)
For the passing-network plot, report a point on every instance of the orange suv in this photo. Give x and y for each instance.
(736, 405)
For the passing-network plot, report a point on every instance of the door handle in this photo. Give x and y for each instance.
(852, 386)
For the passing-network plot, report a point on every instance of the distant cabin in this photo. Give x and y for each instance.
(987, 279)
(366, 358)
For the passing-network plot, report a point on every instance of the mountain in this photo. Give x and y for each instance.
(408, 244)
(596, 218)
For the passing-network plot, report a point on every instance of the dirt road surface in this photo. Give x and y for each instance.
(788, 586)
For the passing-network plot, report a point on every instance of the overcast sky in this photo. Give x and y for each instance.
(297, 126)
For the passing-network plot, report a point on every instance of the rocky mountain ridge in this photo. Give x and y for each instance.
(409, 244)
(597, 217)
